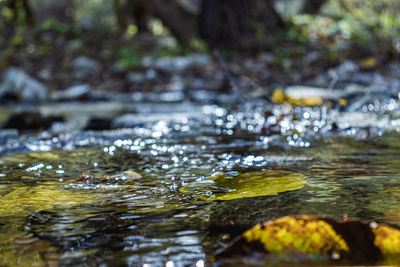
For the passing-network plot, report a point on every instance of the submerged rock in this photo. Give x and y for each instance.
(78, 114)
(99, 124)
(17, 84)
(30, 120)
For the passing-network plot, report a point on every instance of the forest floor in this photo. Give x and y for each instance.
(150, 63)
(149, 68)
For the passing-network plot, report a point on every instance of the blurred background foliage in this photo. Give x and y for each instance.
(342, 28)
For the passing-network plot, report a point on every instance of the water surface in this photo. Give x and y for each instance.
(75, 205)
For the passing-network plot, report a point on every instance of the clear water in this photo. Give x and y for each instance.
(51, 215)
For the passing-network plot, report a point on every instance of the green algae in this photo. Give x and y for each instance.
(16, 205)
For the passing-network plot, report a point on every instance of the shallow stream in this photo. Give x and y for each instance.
(112, 198)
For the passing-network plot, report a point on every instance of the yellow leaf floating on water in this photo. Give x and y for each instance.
(313, 238)
(252, 184)
(280, 97)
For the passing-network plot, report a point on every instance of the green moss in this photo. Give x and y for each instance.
(16, 204)
(24, 200)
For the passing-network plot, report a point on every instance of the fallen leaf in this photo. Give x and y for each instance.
(251, 184)
(313, 238)
(280, 97)
(368, 63)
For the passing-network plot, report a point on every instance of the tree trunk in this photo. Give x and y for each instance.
(237, 23)
(140, 15)
(120, 15)
(29, 17)
(312, 6)
(16, 6)
(181, 23)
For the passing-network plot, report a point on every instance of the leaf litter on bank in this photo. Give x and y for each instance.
(312, 240)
